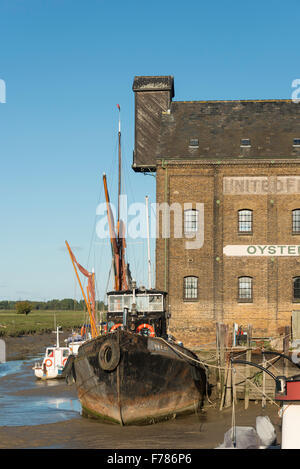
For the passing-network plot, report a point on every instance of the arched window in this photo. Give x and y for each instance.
(245, 221)
(190, 221)
(245, 293)
(190, 288)
(296, 289)
(296, 220)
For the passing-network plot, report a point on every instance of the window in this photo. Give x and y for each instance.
(245, 221)
(245, 289)
(194, 142)
(296, 142)
(190, 289)
(296, 221)
(245, 142)
(296, 289)
(190, 221)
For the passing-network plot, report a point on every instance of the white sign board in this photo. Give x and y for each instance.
(260, 185)
(261, 250)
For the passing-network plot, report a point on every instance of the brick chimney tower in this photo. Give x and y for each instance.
(153, 95)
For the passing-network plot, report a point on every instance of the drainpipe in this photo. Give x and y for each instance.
(164, 166)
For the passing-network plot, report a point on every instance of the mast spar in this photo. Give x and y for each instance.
(148, 243)
(120, 168)
(117, 234)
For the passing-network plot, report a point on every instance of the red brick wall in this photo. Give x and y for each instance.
(193, 322)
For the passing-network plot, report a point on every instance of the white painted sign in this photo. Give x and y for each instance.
(261, 185)
(261, 250)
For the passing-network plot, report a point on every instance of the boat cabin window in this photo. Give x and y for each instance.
(144, 302)
(127, 301)
(115, 303)
(66, 352)
(156, 303)
(50, 352)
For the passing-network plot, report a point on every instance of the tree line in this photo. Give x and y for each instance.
(67, 304)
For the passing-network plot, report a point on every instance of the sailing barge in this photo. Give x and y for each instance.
(131, 371)
(135, 374)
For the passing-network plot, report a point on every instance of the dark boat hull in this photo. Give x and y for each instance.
(147, 380)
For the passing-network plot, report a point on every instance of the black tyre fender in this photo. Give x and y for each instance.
(109, 355)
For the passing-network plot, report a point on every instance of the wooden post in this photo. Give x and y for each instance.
(233, 377)
(225, 363)
(286, 346)
(228, 384)
(263, 400)
(221, 331)
(248, 358)
(218, 370)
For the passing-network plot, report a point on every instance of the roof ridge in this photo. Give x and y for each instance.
(232, 101)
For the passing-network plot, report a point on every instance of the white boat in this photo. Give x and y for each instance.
(74, 342)
(54, 360)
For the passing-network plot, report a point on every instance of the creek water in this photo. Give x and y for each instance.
(25, 400)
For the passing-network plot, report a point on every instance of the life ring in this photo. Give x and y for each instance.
(48, 364)
(115, 326)
(147, 326)
(109, 355)
(64, 361)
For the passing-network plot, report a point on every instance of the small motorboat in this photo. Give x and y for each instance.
(75, 341)
(54, 360)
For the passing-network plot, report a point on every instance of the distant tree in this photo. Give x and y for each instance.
(102, 306)
(23, 307)
(67, 304)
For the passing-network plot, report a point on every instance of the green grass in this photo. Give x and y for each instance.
(37, 322)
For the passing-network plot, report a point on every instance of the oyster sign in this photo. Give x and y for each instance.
(255, 250)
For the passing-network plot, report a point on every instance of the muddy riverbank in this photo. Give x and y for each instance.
(39, 414)
(31, 345)
(205, 432)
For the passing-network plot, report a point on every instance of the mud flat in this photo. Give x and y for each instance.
(205, 432)
(48, 401)
(31, 345)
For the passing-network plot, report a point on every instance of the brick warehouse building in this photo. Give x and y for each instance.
(234, 169)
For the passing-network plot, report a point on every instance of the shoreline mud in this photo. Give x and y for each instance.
(31, 344)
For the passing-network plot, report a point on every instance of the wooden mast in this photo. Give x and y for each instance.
(148, 243)
(117, 235)
(120, 169)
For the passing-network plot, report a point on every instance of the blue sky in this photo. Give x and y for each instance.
(66, 64)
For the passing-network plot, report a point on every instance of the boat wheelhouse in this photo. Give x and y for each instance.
(137, 307)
